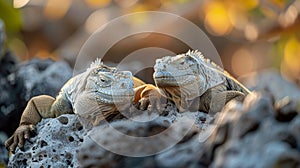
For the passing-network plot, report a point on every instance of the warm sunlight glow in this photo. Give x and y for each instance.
(238, 19)
(125, 3)
(19, 48)
(95, 21)
(249, 4)
(242, 62)
(217, 20)
(251, 32)
(292, 53)
(56, 9)
(97, 3)
(20, 3)
(140, 18)
(287, 18)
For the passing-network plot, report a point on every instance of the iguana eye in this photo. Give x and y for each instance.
(103, 80)
(182, 63)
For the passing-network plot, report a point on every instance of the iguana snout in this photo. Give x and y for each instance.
(175, 71)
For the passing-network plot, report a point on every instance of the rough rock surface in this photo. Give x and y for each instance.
(260, 132)
(18, 83)
(56, 144)
(252, 134)
(8, 93)
(271, 81)
(116, 150)
(42, 77)
(3, 156)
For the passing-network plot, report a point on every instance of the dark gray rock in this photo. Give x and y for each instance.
(255, 138)
(294, 130)
(286, 109)
(7, 94)
(126, 143)
(262, 131)
(10, 102)
(181, 155)
(42, 77)
(91, 154)
(271, 81)
(3, 157)
(102, 147)
(55, 145)
(19, 83)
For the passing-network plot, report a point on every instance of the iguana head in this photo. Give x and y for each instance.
(109, 85)
(175, 70)
(103, 93)
(186, 76)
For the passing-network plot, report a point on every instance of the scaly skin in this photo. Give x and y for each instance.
(96, 94)
(195, 83)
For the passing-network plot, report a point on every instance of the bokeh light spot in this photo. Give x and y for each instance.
(97, 3)
(238, 19)
(287, 18)
(20, 3)
(19, 48)
(251, 32)
(217, 20)
(125, 3)
(56, 9)
(292, 53)
(95, 21)
(249, 4)
(242, 62)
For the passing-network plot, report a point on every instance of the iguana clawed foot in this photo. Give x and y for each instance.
(148, 97)
(38, 107)
(21, 134)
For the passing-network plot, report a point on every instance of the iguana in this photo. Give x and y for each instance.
(195, 83)
(96, 94)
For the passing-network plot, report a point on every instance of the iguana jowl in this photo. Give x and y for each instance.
(195, 83)
(95, 94)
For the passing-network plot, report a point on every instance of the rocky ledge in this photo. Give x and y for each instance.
(263, 131)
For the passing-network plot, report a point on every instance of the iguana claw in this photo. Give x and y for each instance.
(21, 134)
(147, 97)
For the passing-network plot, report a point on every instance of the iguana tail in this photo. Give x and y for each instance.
(233, 84)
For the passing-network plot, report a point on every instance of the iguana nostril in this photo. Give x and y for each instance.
(127, 74)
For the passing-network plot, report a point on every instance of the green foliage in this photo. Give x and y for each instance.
(10, 16)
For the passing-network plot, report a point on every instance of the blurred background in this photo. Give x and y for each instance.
(249, 35)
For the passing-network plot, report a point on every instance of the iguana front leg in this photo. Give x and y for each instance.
(218, 100)
(37, 108)
(148, 96)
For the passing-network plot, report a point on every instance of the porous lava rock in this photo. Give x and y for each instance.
(56, 144)
(261, 131)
